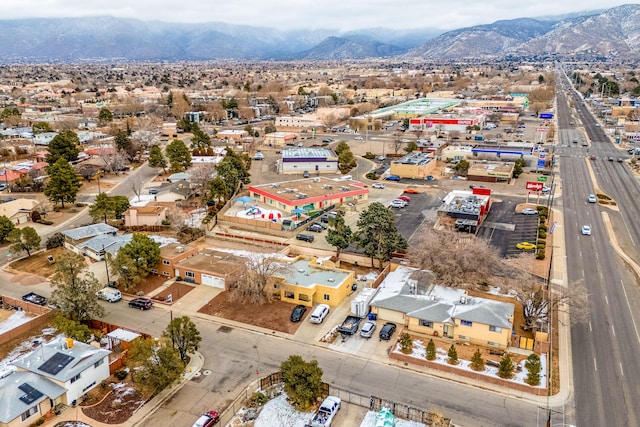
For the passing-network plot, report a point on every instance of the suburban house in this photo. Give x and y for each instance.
(74, 366)
(170, 255)
(140, 216)
(96, 247)
(74, 238)
(211, 268)
(313, 281)
(27, 396)
(18, 210)
(408, 298)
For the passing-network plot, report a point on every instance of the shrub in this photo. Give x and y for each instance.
(120, 374)
(533, 367)
(431, 350)
(540, 255)
(369, 156)
(140, 293)
(372, 175)
(453, 355)
(80, 205)
(477, 362)
(542, 227)
(44, 222)
(178, 279)
(55, 241)
(406, 343)
(505, 370)
(542, 234)
(257, 399)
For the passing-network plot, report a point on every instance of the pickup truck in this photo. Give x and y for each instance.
(34, 298)
(326, 412)
(350, 325)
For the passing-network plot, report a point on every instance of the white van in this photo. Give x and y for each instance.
(319, 313)
(109, 294)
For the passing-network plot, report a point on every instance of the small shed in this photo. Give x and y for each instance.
(121, 339)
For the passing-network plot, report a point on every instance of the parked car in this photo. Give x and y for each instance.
(34, 298)
(586, 230)
(393, 178)
(258, 156)
(298, 312)
(611, 159)
(404, 198)
(207, 419)
(153, 191)
(367, 329)
(316, 228)
(305, 237)
(319, 313)
(377, 185)
(529, 211)
(327, 140)
(525, 246)
(398, 203)
(410, 191)
(387, 331)
(141, 303)
(592, 198)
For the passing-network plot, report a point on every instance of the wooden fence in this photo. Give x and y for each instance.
(42, 317)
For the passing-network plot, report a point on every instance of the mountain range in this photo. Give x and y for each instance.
(610, 34)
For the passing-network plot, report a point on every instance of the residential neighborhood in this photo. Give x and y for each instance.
(429, 226)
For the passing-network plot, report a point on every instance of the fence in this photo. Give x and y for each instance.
(43, 316)
(372, 403)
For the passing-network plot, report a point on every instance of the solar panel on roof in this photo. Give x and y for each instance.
(31, 394)
(56, 364)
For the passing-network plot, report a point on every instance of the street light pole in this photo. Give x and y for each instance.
(106, 265)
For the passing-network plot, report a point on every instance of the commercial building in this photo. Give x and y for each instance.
(314, 160)
(279, 139)
(417, 165)
(465, 210)
(446, 122)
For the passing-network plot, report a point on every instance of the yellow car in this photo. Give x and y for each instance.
(526, 246)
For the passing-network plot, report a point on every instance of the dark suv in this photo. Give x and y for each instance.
(387, 330)
(298, 312)
(316, 228)
(305, 237)
(141, 303)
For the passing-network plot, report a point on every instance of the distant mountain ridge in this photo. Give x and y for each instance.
(607, 34)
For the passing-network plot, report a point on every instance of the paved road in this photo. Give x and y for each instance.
(605, 350)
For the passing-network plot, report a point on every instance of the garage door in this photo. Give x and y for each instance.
(216, 282)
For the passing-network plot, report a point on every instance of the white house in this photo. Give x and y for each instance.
(70, 364)
(25, 397)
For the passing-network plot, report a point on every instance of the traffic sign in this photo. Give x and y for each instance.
(534, 186)
(542, 178)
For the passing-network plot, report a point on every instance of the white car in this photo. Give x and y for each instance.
(377, 185)
(529, 212)
(397, 203)
(592, 198)
(367, 329)
(358, 138)
(586, 230)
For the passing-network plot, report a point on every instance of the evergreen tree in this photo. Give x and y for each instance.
(6, 227)
(183, 335)
(453, 355)
(159, 364)
(41, 127)
(339, 234)
(505, 369)
(102, 208)
(477, 362)
(302, 381)
(64, 184)
(533, 369)
(431, 350)
(65, 145)
(105, 115)
(156, 158)
(378, 234)
(74, 293)
(135, 260)
(24, 239)
(179, 156)
(406, 343)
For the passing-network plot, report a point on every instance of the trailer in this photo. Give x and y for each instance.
(349, 326)
(34, 298)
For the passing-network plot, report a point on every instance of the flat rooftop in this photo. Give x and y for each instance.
(498, 167)
(309, 188)
(418, 158)
(293, 154)
(212, 260)
(304, 273)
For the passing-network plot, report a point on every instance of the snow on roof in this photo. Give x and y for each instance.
(123, 335)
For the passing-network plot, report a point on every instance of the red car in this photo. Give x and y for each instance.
(405, 198)
(410, 191)
(207, 419)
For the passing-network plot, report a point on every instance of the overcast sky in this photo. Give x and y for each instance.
(311, 14)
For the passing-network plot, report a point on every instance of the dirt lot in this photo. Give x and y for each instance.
(177, 290)
(37, 264)
(273, 316)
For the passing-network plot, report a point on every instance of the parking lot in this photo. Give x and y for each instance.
(504, 228)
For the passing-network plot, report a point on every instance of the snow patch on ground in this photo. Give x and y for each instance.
(420, 351)
(369, 420)
(15, 320)
(278, 412)
(26, 347)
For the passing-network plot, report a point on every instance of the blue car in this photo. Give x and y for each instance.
(393, 178)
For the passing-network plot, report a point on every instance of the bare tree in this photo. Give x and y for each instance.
(135, 183)
(458, 260)
(200, 176)
(256, 283)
